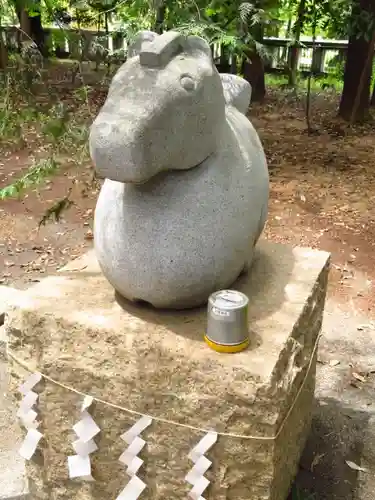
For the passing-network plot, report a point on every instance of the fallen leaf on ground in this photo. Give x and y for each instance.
(71, 270)
(354, 466)
(334, 362)
(359, 377)
(316, 461)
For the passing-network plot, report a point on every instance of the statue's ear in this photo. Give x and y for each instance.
(194, 43)
(140, 38)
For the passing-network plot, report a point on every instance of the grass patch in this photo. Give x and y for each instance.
(327, 83)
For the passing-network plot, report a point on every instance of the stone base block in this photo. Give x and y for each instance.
(72, 329)
(13, 484)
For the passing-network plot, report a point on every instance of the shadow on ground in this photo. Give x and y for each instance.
(338, 435)
(343, 427)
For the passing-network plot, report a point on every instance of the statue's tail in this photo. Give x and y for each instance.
(237, 92)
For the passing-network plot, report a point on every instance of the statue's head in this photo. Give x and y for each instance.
(164, 109)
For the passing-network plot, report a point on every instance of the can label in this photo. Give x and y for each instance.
(220, 312)
(221, 315)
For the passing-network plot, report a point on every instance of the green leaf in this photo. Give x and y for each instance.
(36, 174)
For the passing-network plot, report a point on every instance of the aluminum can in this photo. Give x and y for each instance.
(227, 321)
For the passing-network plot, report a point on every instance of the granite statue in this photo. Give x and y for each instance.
(185, 196)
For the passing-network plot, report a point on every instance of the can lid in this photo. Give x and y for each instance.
(228, 299)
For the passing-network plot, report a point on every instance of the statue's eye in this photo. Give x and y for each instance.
(187, 82)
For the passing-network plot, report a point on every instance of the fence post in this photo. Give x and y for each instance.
(102, 40)
(233, 64)
(58, 41)
(317, 65)
(74, 42)
(223, 64)
(270, 59)
(87, 39)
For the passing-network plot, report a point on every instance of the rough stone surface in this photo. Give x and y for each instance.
(7, 294)
(186, 190)
(143, 37)
(237, 91)
(158, 52)
(343, 426)
(13, 482)
(157, 362)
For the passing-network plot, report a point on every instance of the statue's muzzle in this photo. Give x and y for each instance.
(120, 153)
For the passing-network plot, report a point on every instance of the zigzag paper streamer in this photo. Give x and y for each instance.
(28, 416)
(134, 488)
(79, 465)
(201, 465)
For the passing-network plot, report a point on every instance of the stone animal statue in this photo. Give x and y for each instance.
(185, 195)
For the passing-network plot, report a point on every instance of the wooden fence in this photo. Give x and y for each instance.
(86, 45)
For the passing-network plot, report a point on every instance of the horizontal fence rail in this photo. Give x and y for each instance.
(321, 57)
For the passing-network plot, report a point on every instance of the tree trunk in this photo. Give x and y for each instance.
(253, 72)
(3, 49)
(37, 34)
(293, 58)
(32, 26)
(355, 99)
(373, 96)
(294, 49)
(3, 53)
(106, 28)
(160, 18)
(253, 67)
(284, 53)
(25, 24)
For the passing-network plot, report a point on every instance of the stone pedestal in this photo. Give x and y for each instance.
(72, 329)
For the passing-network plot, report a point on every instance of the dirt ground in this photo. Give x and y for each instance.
(323, 191)
(322, 195)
